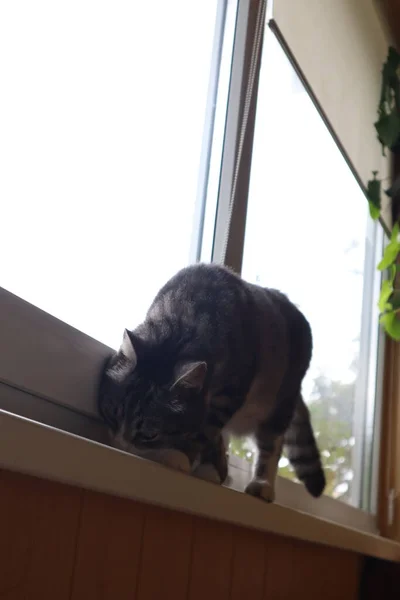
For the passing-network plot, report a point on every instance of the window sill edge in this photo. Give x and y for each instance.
(69, 459)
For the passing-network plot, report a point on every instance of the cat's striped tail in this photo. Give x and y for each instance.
(302, 450)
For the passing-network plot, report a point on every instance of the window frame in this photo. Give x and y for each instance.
(230, 221)
(364, 494)
(389, 477)
(49, 371)
(367, 454)
(211, 117)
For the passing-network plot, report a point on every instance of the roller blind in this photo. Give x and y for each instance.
(340, 46)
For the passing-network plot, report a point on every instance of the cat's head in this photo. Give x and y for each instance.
(149, 406)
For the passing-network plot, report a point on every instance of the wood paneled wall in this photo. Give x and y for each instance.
(380, 580)
(60, 542)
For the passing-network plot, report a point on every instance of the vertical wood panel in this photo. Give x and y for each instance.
(211, 569)
(248, 564)
(166, 554)
(380, 579)
(38, 531)
(309, 570)
(125, 550)
(325, 572)
(342, 581)
(279, 569)
(109, 546)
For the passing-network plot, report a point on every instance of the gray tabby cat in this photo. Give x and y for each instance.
(215, 356)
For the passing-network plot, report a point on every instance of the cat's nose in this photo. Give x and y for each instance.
(120, 442)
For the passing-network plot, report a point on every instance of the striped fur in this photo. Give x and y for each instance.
(302, 451)
(215, 356)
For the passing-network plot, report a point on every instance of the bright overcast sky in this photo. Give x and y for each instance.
(101, 124)
(307, 220)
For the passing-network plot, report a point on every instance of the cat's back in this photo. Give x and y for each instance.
(201, 280)
(288, 338)
(201, 290)
(214, 295)
(204, 311)
(298, 327)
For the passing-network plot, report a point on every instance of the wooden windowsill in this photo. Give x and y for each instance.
(36, 449)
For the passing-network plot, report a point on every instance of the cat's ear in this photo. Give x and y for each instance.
(127, 348)
(190, 375)
(125, 360)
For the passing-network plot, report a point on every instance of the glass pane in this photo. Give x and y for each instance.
(102, 116)
(308, 234)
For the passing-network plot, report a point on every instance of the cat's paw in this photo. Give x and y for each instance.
(175, 460)
(261, 489)
(207, 472)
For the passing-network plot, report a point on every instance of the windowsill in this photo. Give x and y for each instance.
(53, 379)
(63, 457)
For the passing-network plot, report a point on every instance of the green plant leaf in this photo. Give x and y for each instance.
(388, 128)
(374, 211)
(386, 292)
(387, 308)
(374, 196)
(395, 233)
(389, 255)
(391, 324)
(390, 79)
(392, 273)
(391, 250)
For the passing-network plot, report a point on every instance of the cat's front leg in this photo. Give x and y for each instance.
(266, 468)
(175, 459)
(169, 457)
(213, 463)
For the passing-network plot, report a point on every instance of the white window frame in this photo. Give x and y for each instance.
(49, 371)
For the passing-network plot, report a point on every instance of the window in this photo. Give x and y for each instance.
(112, 130)
(108, 113)
(309, 234)
(133, 143)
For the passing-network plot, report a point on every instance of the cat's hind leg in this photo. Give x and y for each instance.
(269, 452)
(269, 437)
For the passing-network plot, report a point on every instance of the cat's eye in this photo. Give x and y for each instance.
(151, 437)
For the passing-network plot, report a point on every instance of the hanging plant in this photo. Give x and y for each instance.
(387, 128)
(374, 196)
(389, 300)
(388, 124)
